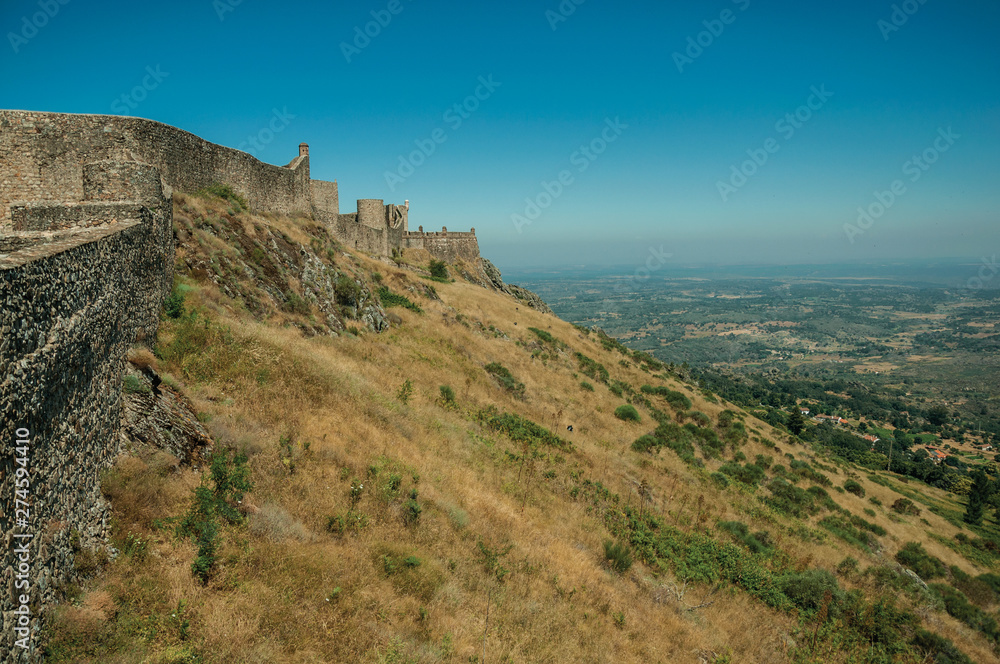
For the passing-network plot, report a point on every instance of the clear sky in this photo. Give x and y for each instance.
(726, 131)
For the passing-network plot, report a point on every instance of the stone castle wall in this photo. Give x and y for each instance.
(71, 305)
(326, 198)
(47, 158)
(445, 246)
(42, 156)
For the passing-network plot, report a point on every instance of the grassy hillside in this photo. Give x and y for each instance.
(416, 495)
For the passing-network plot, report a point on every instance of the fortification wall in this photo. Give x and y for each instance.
(371, 213)
(69, 311)
(325, 199)
(42, 157)
(444, 246)
(355, 235)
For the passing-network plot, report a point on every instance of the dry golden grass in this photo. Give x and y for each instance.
(334, 400)
(142, 358)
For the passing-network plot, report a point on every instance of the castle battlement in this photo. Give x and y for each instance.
(48, 160)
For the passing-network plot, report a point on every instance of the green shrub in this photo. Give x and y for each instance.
(439, 270)
(822, 498)
(132, 385)
(617, 556)
(647, 443)
(790, 499)
(810, 589)
(668, 434)
(493, 559)
(847, 566)
(938, 649)
(412, 510)
(592, 369)
(447, 395)
(627, 413)
(853, 487)
(296, 304)
(173, 304)
(546, 337)
(678, 400)
(905, 506)
(390, 299)
(347, 291)
(759, 542)
(405, 391)
(700, 418)
(849, 529)
(749, 474)
(958, 606)
(719, 479)
(506, 379)
(914, 556)
(587, 386)
(226, 193)
(520, 429)
(204, 562)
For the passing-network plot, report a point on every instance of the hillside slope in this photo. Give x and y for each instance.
(416, 494)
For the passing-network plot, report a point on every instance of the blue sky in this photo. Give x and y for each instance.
(665, 135)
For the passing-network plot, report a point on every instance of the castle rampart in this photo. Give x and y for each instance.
(72, 302)
(446, 245)
(49, 159)
(42, 158)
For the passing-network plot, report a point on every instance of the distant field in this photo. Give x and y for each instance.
(906, 333)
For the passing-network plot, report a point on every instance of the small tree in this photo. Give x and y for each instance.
(938, 416)
(627, 412)
(980, 494)
(439, 270)
(796, 423)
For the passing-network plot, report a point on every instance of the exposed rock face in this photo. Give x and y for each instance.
(494, 280)
(156, 415)
(269, 271)
(531, 299)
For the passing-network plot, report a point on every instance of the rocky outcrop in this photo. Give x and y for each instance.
(494, 281)
(530, 298)
(156, 415)
(268, 271)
